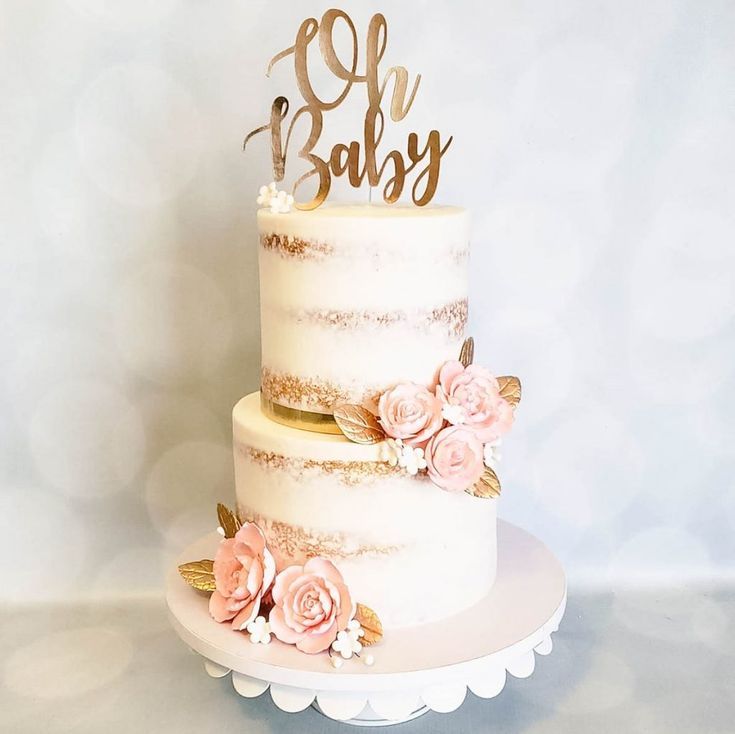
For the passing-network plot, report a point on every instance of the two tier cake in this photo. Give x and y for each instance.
(371, 445)
(365, 466)
(355, 300)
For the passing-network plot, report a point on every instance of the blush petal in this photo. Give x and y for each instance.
(482, 373)
(225, 564)
(280, 629)
(247, 615)
(218, 607)
(448, 373)
(324, 568)
(315, 622)
(345, 607)
(291, 617)
(312, 644)
(255, 578)
(269, 569)
(284, 581)
(251, 535)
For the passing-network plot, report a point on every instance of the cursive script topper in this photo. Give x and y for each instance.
(348, 158)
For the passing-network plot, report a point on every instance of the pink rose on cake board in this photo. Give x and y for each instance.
(454, 458)
(471, 396)
(312, 604)
(244, 570)
(410, 412)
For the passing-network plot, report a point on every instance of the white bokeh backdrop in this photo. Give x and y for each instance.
(595, 146)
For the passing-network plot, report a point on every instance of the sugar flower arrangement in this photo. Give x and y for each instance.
(450, 430)
(307, 606)
(279, 202)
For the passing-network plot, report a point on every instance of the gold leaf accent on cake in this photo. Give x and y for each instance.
(291, 390)
(349, 320)
(350, 473)
(307, 420)
(452, 315)
(199, 574)
(467, 354)
(295, 247)
(358, 424)
(370, 623)
(296, 544)
(487, 486)
(228, 520)
(510, 389)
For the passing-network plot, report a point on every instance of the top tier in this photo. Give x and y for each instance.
(354, 299)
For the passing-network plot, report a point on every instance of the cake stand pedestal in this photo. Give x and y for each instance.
(416, 668)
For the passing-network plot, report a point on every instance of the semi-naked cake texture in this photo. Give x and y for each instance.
(411, 551)
(357, 298)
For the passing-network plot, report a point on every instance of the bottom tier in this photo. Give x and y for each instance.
(409, 550)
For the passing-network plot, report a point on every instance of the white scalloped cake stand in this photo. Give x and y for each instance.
(416, 668)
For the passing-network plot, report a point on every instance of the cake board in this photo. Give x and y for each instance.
(416, 669)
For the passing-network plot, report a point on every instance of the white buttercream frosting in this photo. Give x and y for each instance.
(357, 298)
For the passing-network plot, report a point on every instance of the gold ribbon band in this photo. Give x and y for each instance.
(306, 420)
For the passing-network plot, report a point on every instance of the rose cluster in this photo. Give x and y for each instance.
(311, 603)
(450, 424)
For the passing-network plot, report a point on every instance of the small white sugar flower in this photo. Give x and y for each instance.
(454, 414)
(264, 196)
(346, 644)
(279, 202)
(397, 453)
(355, 630)
(412, 460)
(491, 455)
(285, 204)
(260, 631)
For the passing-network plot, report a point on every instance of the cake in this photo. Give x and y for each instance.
(355, 299)
(365, 466)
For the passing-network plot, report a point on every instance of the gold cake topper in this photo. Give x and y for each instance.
(346, 158)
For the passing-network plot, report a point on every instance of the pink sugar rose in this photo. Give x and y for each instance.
(312, 604)
(244, 570)
(410, 412)
(471, 396)
(454, 458)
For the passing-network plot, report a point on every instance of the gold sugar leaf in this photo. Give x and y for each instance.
(228, 520)
(468, 352)
(370, 624)
(510, 389)
(487, 486)
(199, 574)
(358, 424)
